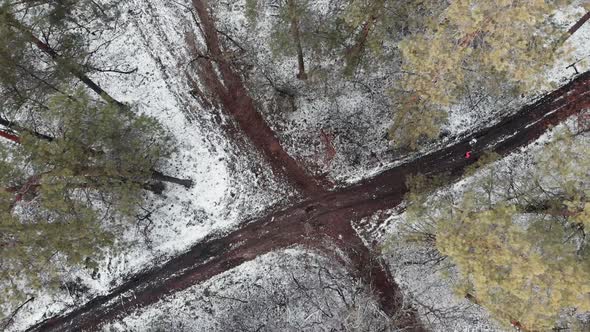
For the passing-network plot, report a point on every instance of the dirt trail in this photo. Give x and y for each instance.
(226, 85)
(329, 214)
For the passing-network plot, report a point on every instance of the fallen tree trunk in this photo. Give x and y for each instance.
(354, 53)
(16, 127)
(573, 29)
(328, 214)
(295, 32)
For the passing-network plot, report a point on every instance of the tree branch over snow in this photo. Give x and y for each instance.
(573, 29)
(70, 67)
(17, 127)
(156, 175)
(10, 319)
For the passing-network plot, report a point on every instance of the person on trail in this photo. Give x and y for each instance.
(471, 144)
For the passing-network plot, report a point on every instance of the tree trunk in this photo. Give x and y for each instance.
(572, 30)
(156, 187)
(187, 183)
(16, 127)
(295, 31)
(10, 318)
(9, 136)
(73, 69)
(353, 54)
(233, 96)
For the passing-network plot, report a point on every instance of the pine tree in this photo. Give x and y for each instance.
(296, 30)
(520, 274)
(28, 79)
(517, 237)
(503, 47)
(63, 198)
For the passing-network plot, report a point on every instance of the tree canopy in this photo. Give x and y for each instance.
(500, 47)
(516, 236)
(63, 197)
(74, 168)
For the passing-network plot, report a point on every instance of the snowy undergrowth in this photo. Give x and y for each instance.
(232, 183)
(291, 290)
(577, 46)
(357, 116)
(428, 282)
(355, 112)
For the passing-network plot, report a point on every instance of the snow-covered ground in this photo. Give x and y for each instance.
(429, 281)
(291, 290)
(356, 111)
(232, 182)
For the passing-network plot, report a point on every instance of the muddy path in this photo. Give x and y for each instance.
(225, 84)
(328, 215)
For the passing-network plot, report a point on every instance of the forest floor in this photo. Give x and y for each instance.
(328, 215)
(238, 212)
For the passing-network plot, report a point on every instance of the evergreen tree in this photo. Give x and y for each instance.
(518, 238)
(374, 27)
(289, 32)
(296, 30)
(345, 30)
(364, 18)
(63, 198)
(61, 30)
(501, 46)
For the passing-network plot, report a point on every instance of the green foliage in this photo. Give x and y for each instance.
(486, 159)
(283, 43)
(415, 122)
(517, 238)
(502, 45)
(252, 12)
(63, 199)
(420, 225)
(26, 79)
(320, 33)
(519, 273)
(21, 78)
(368, 27)
(344, 30)
(363, 20)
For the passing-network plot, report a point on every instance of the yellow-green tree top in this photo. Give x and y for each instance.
(516, 235)
(500, 45)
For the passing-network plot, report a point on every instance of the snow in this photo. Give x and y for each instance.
(231, 181)
(357, 110)
(464, 117)
(430, 285)
(226, 189)
(290, 290)
(576, 45)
